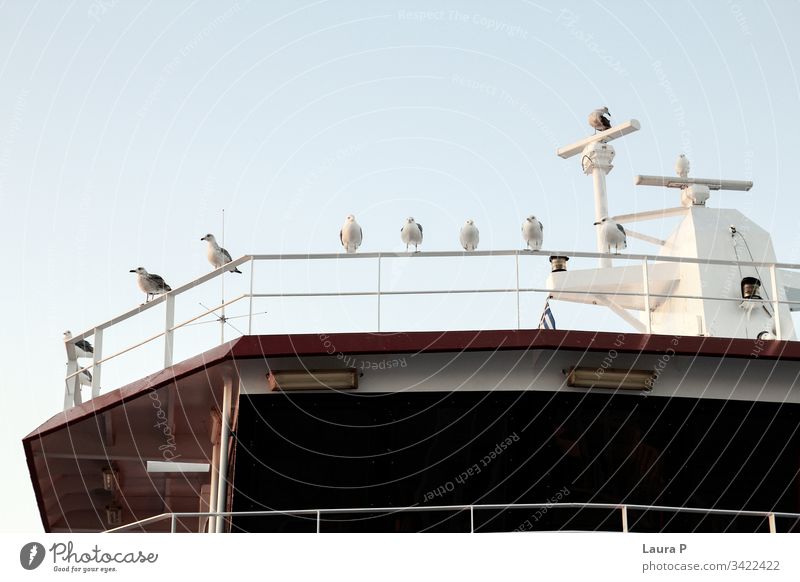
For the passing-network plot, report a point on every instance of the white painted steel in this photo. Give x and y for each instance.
(317, 513)
(622, 299)
(223, 450)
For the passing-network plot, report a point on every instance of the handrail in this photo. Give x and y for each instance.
(173, 516)
(72, 394)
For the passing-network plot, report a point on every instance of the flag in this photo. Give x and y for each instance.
(547, 320)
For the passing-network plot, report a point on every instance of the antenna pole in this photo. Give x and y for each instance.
(596, 157)
(222, 278)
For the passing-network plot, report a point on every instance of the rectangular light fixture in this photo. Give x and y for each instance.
(611, 378)
(342, 379)
(176, 467)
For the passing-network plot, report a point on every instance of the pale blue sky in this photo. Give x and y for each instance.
(126, 126)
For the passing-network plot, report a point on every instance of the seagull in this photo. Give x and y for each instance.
(83, 348)
(599, 119)
(411, 233)
(351, 234)
(85, 377)
(151, 284)
(614, 235)
(682, 166)
(469, 236)
(218, 256)
(533, 233)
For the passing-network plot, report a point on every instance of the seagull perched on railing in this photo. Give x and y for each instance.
(411, 233)
(350, 234)
(533, 233)
(150, 283)
(83, 348)
(613, 235)
(469, 236)
(599, 119)
(217, 256)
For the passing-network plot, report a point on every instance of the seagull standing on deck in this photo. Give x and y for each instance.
(469, 236)
(682, 166)
(217, 256)
(351, 234)
(533, 233)
(150, 283)
(599, 119)
(613, 235)
(411, 233)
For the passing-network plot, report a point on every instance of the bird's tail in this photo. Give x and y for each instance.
(168, 288)
(236, 271)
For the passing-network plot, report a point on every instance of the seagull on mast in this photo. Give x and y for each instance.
(150, 283)
(614, 235)
(682, 166)
(218, 256)
(351, 234)
(411, 234)
(599, 119)
(469, 235)
(532, 233)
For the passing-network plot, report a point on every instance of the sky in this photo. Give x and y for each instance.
(126, 127)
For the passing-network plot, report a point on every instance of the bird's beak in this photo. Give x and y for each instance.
(132, 271)
(204, 238)
(595, 223)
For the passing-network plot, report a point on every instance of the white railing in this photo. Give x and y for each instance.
(74, 370)
(317, 515)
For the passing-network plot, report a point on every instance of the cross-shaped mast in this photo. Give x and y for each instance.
(596, 160)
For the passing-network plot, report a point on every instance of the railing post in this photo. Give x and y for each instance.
(96, 357)
(222, 494)
(379, 292)
(624, 509)
(776, 305)
(172, 524)
(646, 290)
(471, 520)
(169, 334)
(516, 261)
(771, 520)
(318, 520)
(250, 315)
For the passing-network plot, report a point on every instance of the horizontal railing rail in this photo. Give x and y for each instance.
(318, 514)
(74, 370)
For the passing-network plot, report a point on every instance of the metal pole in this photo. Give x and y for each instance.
(646, 289)
(471, 520)
(624, 518)
(773, 274)
(379, 292)
(250, 315)
(172, 524)
(223, 450)
(318, 520)
(771, 519)
(597, 158)
(169, 334)
(212, 494)
(516, 261)
(96, 357)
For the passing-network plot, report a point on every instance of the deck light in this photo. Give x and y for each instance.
(110, 478)
(558, 264)
(750, 287)
(345, 379)
(113, 514)
(610, 378)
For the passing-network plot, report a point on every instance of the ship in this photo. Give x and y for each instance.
(685, 421)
